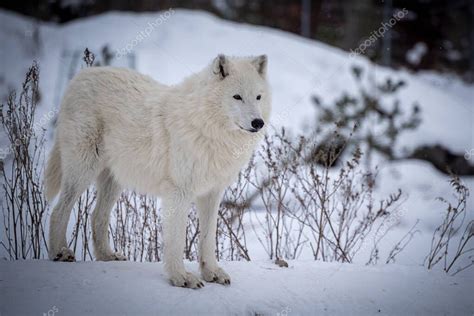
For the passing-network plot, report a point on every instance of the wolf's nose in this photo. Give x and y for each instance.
(257, 123)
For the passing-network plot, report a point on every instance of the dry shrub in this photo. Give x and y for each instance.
(23, 203)
(135, 227)
(452, 238)
(231, 241)
(282, 234)
(331, 209)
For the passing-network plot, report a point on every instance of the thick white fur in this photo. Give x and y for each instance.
(184, 143)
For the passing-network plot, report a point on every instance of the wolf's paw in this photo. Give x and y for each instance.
(186, 279)
(217, 275)
(65, 254)
(113, 256)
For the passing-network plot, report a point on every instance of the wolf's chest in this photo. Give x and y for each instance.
(217, 167)
(211, 166)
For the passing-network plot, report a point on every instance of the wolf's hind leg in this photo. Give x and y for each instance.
(71, 189)
(108, 191)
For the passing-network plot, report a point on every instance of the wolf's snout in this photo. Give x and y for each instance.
(257, 124)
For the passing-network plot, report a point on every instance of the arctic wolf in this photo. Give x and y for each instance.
(123, 130)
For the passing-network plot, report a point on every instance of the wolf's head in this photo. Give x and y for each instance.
(243, 91)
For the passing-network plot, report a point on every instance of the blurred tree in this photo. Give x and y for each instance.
(374, 110)
(387, 39)
(443, 26)
(306, 18)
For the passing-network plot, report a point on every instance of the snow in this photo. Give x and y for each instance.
(258, 288)
(183, 41)
(298, 69)
(415, 54)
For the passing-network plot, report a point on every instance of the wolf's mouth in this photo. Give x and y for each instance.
(252, 130)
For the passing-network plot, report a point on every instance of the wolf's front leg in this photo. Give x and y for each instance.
(208, 206)
(175, 214)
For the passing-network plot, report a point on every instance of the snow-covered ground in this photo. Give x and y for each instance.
(258, 288)
(183, 42)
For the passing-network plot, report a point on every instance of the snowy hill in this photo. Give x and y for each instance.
(183, 42)
(258, 288)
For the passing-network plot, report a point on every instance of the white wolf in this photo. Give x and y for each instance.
(123, 130)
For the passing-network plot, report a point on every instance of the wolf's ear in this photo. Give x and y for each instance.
(220, 66)
(260, 63)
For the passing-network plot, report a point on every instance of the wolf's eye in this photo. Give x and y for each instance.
(259, 97)
(237, 97)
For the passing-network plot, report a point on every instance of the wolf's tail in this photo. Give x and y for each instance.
(53, 173)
